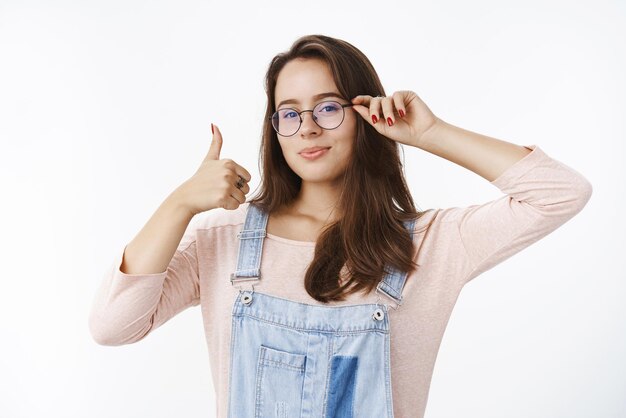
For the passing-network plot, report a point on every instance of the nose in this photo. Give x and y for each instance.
(308, 126)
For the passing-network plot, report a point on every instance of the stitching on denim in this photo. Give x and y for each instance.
(342, 333)
(389, 399)
(230, 376)
(356, 379)
(259, 377)
(281, 365)
(329, 355)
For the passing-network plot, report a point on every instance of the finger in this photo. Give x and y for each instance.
(231, 203)
(387, 105)
(234, 179)
(360, 99)
(216, 145)
(239, 170)
(372, 104)
(360, 109)
(398, 102)
(375, 109)
(238, 195)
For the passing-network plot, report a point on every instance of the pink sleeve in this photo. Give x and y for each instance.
(541, 194)
(127, 307)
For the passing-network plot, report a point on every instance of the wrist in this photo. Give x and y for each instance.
(431, 135)
(176, 204)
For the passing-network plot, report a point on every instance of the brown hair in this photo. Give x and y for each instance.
(369, 235)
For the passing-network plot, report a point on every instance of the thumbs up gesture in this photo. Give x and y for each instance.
(215, 183)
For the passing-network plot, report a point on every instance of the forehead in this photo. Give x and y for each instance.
(301, 79)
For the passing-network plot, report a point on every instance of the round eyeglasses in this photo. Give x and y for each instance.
(327, 115)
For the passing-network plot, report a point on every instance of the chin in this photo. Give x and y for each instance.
(319, 177)
(319, 172)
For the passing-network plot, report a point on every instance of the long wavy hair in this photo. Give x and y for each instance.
(352, 253)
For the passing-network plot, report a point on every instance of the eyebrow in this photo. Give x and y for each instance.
(316, 97)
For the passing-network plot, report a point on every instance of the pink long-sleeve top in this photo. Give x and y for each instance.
(541, 194)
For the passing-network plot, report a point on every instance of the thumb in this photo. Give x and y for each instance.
(216, 144)
(364, 112)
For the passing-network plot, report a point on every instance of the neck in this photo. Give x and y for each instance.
(318, 201)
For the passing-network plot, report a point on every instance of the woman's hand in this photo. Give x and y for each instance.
(410, 117)
(214, 185)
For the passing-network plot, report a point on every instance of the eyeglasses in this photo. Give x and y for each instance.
(327, 115)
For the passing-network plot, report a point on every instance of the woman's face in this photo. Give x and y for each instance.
(300, 80)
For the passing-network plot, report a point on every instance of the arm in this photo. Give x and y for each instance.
(541, 194)
(151, 280)
(488, 157)
(156, 276)
(152, 249)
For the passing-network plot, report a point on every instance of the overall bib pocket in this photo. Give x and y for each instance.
(279, 383)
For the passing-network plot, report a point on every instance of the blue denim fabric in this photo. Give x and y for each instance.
(291, 359)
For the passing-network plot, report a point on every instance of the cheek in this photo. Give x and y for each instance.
(284, 148)
(349, 134)
(343, 153)
(350, 123)
(288, 151)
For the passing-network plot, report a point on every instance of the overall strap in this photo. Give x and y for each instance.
(250, 245)
(393, 282)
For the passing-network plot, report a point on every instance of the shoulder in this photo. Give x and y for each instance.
(430, 217)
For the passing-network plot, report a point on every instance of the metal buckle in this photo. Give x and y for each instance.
(243, 279)
(391, 306)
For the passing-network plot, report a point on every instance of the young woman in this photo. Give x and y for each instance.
(295, 285)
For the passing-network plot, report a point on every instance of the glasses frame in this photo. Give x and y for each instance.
(343, 116)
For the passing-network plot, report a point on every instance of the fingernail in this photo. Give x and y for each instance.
(389, 121)
(212, 131)
(401, 113)
(374, 119)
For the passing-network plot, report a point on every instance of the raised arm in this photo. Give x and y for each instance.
(541, 193)
(156, 275)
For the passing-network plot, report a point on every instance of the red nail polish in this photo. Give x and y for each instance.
(389, 121)
(212, 131)
(374, 119)
(401, 113)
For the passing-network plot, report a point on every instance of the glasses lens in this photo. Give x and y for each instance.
(328, 115)
(286, 121)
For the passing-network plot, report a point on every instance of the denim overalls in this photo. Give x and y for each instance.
(291, 359)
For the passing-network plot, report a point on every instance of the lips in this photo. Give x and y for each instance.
(312, 149)
(314, 155)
